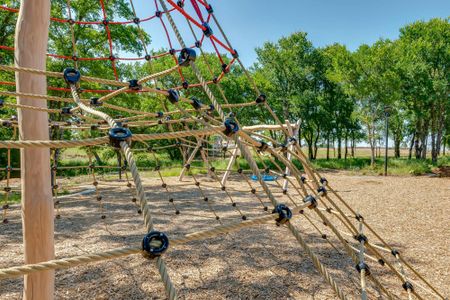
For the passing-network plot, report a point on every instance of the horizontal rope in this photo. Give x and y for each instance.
(65, 263)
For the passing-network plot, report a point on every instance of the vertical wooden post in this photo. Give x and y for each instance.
(37, 205)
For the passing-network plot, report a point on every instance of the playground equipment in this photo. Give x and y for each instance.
(306, 195)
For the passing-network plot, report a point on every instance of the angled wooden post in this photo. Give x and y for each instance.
(37, 204)
(293, 133)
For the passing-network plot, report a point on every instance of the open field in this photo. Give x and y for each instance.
(262, 262)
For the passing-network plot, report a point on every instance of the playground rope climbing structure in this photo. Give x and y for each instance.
(277, 176)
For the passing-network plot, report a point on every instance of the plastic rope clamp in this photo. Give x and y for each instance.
(311, 200)
(94, 102)
(361, 238)
(134, 85)
(284, 214)
(173, 96)
(2, 101)
(207, 29)
(180, 4)
(322, 190)
(186, 56)
(196, 104)
(71, 75)
(185, 84)
(66, 111)
(407, 286)
(363, 266)
(231, 127)
(154, 244)
(303, 179)
(323, 180)
(261, 99)
(225, 69)
(264, 146)
(118, 135)
(235, 54)
(209, 9)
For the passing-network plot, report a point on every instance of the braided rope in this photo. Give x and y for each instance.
(53, 144)
(170, 288)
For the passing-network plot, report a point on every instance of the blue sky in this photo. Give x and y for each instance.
(249, 23)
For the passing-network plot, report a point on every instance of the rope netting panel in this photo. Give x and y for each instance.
(111, 87)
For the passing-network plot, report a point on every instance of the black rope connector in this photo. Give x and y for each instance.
(361, 238)
(7, 124)
(74, 58)
(235, 54)
(261, 99)
(158, 14)
(71, 75)
(94, 102)
(239, 170)
(381, 261)
(263, 147)
(209, 9)
(311, 200)
(112, 58)
(7, 189)
(180, 4)
(105, 22)
(136, 20)
(322, 189)
(323, 180)
(159, 114)
(198, 44)
(66, 111)
(231, 127)
(134, 85)
(253, 191)
(154, 244)
(363, 266)
(207, 29)
(2, 101)
(118, 135)
(225, 69)
(185, 85)
(186, 56)
(187, 166)
(147, 57)
(284, 214)
(196, 104)
(173, 96)
(70, 21)
(359, 217)
(407, 286)
(395, 252)
(303, 179)
(211, 108)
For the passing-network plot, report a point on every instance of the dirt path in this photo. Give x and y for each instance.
(264, 262)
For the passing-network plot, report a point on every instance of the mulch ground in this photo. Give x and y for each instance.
(262, 262)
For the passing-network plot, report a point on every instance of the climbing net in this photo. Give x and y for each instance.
(197, 119)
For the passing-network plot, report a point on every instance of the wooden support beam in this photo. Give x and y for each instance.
(37, 205)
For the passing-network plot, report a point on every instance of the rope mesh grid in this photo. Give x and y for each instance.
(192, 134)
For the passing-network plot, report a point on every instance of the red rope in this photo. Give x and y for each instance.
(197, 10)
(108, 33)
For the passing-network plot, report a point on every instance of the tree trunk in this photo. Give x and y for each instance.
(411, 146)
(328, 146)
(339, 146)
(346, 146)
(37, 203)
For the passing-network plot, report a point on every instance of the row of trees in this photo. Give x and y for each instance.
(343, 96)
(339, 95)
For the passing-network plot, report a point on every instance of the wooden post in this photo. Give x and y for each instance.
(37, 205)
(293, 133)
(229, 166)
(188, 162)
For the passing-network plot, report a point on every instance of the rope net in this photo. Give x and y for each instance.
(172, 109)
